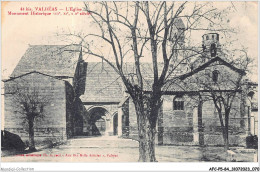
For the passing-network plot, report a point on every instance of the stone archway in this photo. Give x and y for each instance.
(99, 121)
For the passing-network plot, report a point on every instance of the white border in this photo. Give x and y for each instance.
(175, 166)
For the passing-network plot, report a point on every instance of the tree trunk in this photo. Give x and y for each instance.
(225, 137)
(151, 144)
(224, 128)
(147, 145)
(31, 134)
(146, 135)
(226, 141)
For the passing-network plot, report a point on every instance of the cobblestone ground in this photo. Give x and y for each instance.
(113, 149)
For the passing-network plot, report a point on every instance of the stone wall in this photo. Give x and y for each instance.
(133, 128)
(51, 127)
(78, 111)
(212, 128)
(177, 124)
(180, 126)
(70, 115)
(125, 119)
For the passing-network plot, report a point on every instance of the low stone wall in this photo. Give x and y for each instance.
(217, 140)
(42, 136)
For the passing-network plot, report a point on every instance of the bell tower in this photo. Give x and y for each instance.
(210, 45)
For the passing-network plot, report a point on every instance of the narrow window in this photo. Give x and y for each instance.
(215, 75)
(203, 47)
(178, 103)
(213, 50)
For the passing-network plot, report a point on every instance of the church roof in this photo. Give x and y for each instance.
(203, 66)
(54, 60)
(103, 84)
(20, 76)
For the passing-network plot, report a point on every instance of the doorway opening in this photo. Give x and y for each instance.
(97, 121)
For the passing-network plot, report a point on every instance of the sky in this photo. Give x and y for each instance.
(20, 31)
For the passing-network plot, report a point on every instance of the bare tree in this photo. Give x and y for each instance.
(30, 103)
(222, 85)
(225, 97)
(130, 31)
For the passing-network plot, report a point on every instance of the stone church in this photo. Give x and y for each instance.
(89, 99)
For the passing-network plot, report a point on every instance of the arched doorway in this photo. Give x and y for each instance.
(100, 127)
(115, 124)
(97, 121)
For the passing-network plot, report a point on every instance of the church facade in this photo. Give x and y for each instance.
(94, 100)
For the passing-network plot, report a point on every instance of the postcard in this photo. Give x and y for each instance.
(130, 81)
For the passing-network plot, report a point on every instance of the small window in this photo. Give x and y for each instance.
(215, 75)
(203, 47)
(207, 37)
(212, 36)
(213, 50)
(178, 103)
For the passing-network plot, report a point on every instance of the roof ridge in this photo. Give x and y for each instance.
(203, 66)
(12, 78)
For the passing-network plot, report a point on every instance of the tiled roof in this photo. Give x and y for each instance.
(102, 84)
(54, 60)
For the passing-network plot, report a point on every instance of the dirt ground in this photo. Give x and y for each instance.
(113, 149)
